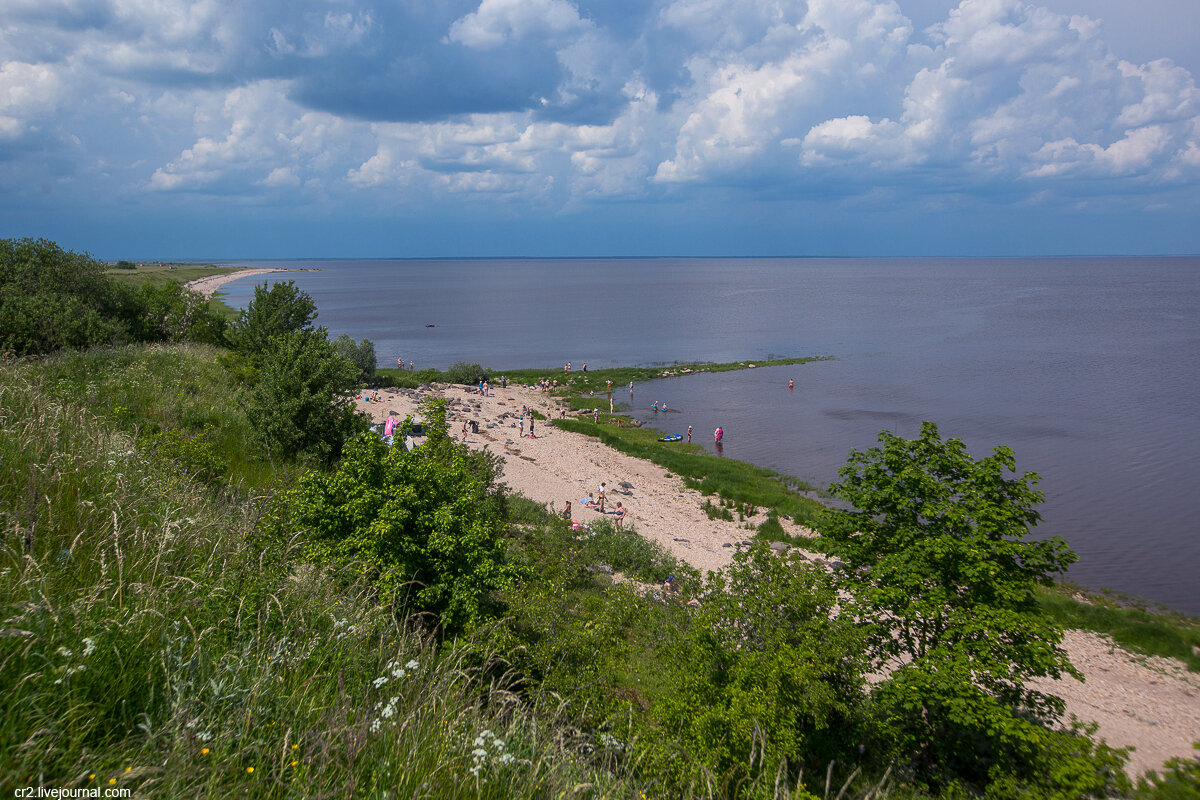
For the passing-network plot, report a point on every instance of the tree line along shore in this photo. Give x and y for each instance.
(217, 580)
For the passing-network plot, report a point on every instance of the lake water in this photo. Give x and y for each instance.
(1089, 368)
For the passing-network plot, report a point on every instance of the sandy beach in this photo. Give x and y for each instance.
(209, 286)
(1152, 704)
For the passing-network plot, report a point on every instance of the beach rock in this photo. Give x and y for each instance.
(678, 539)
(727, 544)
(780, 547)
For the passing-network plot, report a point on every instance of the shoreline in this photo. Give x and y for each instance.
(1149, 703)
(211, 284)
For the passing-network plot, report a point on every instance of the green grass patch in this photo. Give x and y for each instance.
(1166, 634)
(157, 275)
(737, 481)
(178, 400)
(597, 379)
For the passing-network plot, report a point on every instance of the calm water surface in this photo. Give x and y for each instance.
(1088, 368)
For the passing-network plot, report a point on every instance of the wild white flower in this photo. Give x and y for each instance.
(507, 758)
(398, 673)
(375, 725)
(413, 664)
(611, 742)
(64, 652)
(204, 736)
(498, 744)
(89, 647)
(479, 753)
(389, 710)
(379, 681)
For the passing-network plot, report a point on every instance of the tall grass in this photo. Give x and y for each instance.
(152, 638)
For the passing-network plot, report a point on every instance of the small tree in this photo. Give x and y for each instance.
(302, 401)
(936, 561)
(426, 525)
(362, 355)
(278, 311)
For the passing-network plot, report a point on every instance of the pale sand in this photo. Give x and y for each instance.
(208, 286)
(1150, 704)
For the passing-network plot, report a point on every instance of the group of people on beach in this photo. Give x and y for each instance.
(596, 502)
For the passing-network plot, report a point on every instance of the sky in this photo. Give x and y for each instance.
(229, 129)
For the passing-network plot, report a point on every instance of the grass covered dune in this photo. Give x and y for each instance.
(215, 581)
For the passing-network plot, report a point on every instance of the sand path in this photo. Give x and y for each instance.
(1152, 704)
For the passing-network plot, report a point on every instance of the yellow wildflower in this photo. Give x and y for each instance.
(249, 770)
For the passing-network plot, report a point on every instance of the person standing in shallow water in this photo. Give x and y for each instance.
(689, 434)
(718, 435)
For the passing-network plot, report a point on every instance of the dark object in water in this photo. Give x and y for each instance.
(430, 325)
(674, 438)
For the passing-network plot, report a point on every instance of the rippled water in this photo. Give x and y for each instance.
(1088, 368)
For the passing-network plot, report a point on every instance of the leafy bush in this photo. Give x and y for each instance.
(425, 525)
(51, 299)
(173, 313)
(465, 373)
(769, 679)
(361, 355)
(302, 401)
(123, 264)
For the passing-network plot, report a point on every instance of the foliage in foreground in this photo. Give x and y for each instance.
(768, 680)
(935, 562)
(425, 527)
(154, 639)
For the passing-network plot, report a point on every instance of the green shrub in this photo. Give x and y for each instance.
(465, 373)
(361, 355)
(123, 264)
(172, 313)
(425, 526)
(769, 679)
(302, 403)
(52, 299)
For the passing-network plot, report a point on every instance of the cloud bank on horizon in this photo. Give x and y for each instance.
(796, 114)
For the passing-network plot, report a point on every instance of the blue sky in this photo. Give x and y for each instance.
(289, 128)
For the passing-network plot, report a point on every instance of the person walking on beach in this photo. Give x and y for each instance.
(596, 416)
(600, 495)
(689, 434)
(620, 515)
(567, 511)
(531, 436)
